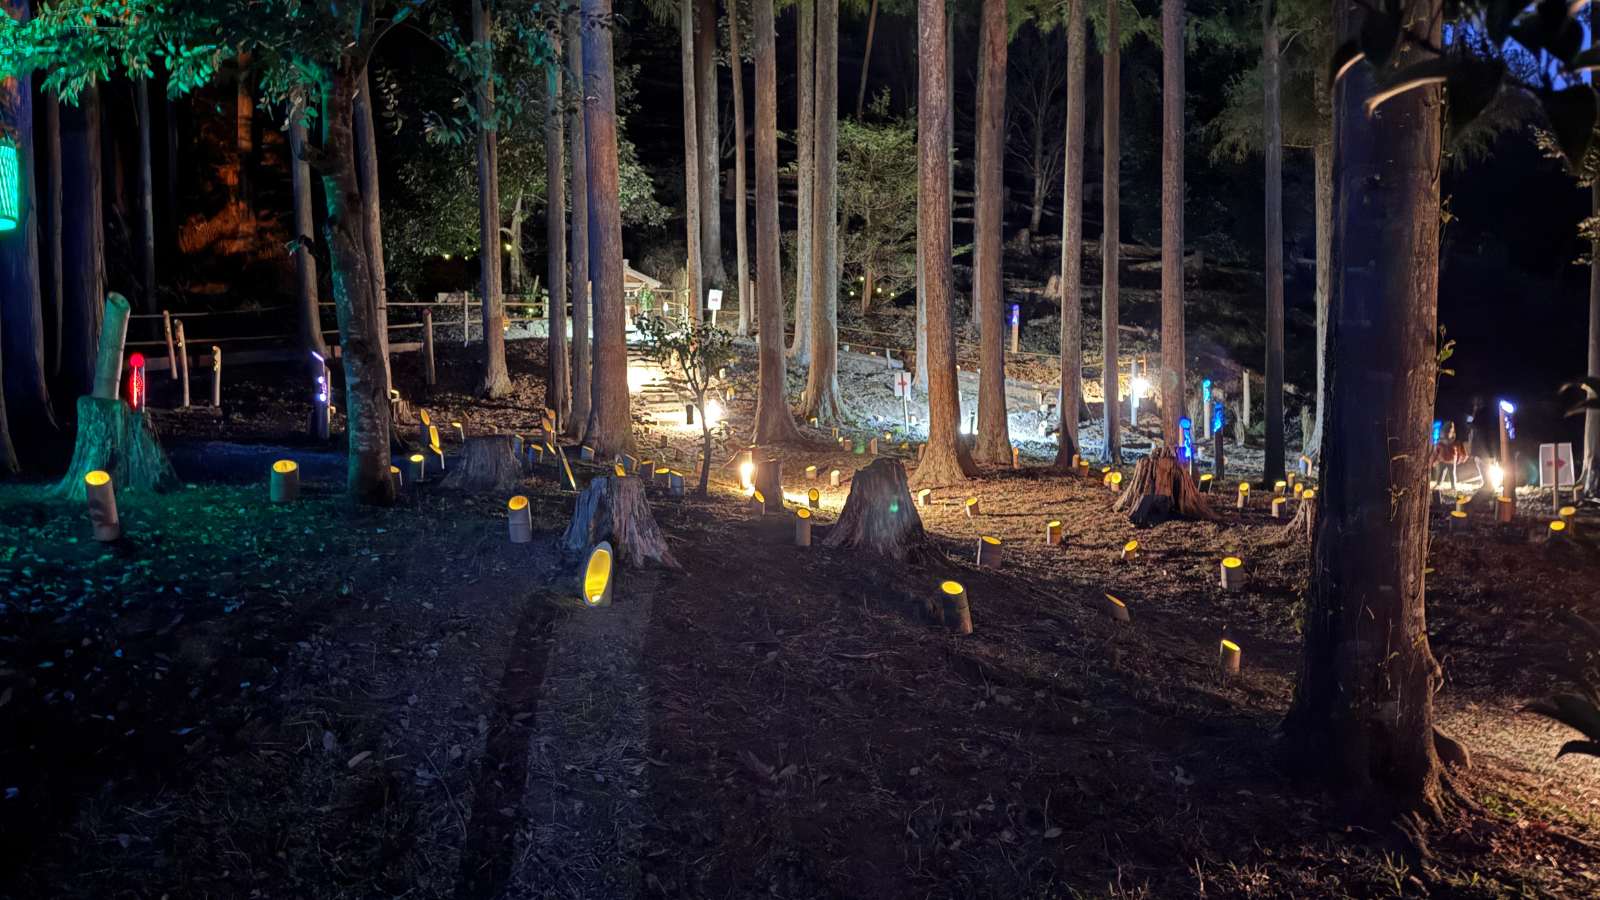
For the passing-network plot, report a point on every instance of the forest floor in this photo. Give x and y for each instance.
(241, 699)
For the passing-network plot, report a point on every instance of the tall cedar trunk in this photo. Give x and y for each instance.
(1040, 186)
(147, 200)
(822, 385)
(994, 433)
(1111, 249)
(1072, 238)
(83, 245)
(1591, 419)
(610, 432)
(1322, 156)
(1174, 376)
(170, 214)
(805, 133)
(741, 202)
(774, 423)
(946, 459)
(582, 304)
(305, 263)
(514, 275)
(710, 145)
(866, 60)
(54, 285)
(22, 361)
(1273, 145)
(354, 295)
(496, 382)
(367, 171)
(558, 387)
(1361, 721)
(691, 164)
(244, 111)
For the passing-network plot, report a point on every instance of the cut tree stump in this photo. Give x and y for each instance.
(615, 509)
(1305, 519)
(486, 464)
(880, 516)
(1161, 474)
(118, 440)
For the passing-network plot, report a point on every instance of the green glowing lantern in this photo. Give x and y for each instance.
(10, 205)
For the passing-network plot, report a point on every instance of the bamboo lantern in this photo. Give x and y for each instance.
(802, 528)
(1232, 574)
(1569, 515)
(586, 453)
(630, 464)
(1277, 488)
(1016, 457)
(847, 444)
(957, 614)
(1076, 460)
(621, 472)
(461, 432)
(663, 477)
(1130, 551)
(1116, 609)
(923, 497)
(516, 445)
(758, 504)
(833, 478)
(661, 439)
(1279, 504)
(1288, 482)
(1114, 480)
(419, 467)
(647, 470)
(1305, 465)
(1083, 469)
(1244, 495)
(1228, 658)
(746, 469)
(597, 576)
(521, 520)
(1052, 534)
(1505, 509)
(675, 484)
(102, 506)
(394, 477)
(872, 447)
(1205, 483)
(989, 552)
(813, 499)
(1299, 488)
(1558, 529)
(285, 484)
(811, 473)
(972, 507)
(1461, 502)
(836, 432)
(1458, 520)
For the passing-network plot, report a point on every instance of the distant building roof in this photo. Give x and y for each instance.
(633, 279)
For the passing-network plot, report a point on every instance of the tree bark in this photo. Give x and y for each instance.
(54, 286)
(1361, 721)
(919, 378)
(866, 60)
(611, 431)
(774, 424)
(710, 145)
(305, 263)
(946, 459)
(1273, 146)
(806, 167)
(1072, 239)
(616, 510)
(367, 171)
(1323, 164)
(691, 161)
(994, 432)
(741, 203)
(880, 517)
(244, 111)
(147, 200)
(822, 385)
(1110, 247)
(558, 387)
(83, 250)
(1174, 375)
(577, 141)
(486, 464)
(496, 382)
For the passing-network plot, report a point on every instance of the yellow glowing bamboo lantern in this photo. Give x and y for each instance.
(811, 473)
(989, 552)
(813, 499)
(1277, 488)
(1083, 469)
(848, 445)
(1116, 609)
(922, 497)
(1228, 658)
(586, 452)
(675, 483)
(395, 478)
(1052, 533)
(746, 469)
(102, 506)
(419, 467)
(1458, 520)
(663, 477)
(521, 519)
(285, 484)
(1558, 529)
(433, 445)
(461, 433)
(1115, 482)
(1130, 551)
(630, 464)
(1461, 501)
(957, 614)
(833, 478)
(972, 507)
(621, 472)
(516, 445)
(1205, 483)
(1299, 489)
(1569, 515)
(1016, 457)
(758, 504)
(1310, 494)
(802, 528)
(597, 576)
(1279, 505)
(1505, 509)
(1289, 482)
(1233, 574)
(1076, 461)
(1244, 495)
(836, 432)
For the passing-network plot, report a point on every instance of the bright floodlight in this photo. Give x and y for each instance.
(713, 413)
(1506, 407)
(1140, 386)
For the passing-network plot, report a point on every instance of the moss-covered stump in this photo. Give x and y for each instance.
(114, 438)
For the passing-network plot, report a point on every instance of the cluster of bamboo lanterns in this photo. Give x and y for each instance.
(989, 552)
(1052, 533)
(597, 576)
(1232, 574)
(802, 527)
(521, 520)
(102, 506)
(957, 614)
(285, 484)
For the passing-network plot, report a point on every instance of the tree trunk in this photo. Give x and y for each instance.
(1323, 164)
(514, 269)
(1072, 240)
(83, 243)
(774, 424)
(577, 142)
(558, 387)
(741, 236)
(244, 118)
(994, 432)
(920, 376)
(1273, 146)
(54, 290)
(946, 459)
(866, 60)
(1174, 369)
(611, 432)
(305, 263)
(710, 146)
(1110, 248)
(354, 295)
(147, 200)
(806, 168)
(1361, 722)
(616, 510)
(691, 160)
(486, 464)
(496, 382)
(880, 517)
(367, 171)
(822, 385)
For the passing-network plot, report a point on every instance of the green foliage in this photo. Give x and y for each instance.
(691, 353)
(1579, 711)
(878, 196)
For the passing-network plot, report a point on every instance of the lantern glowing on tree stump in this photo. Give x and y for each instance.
(597, 576)
(102, 499)
(1228, 658)
(1232, 573)
(1052, 533)
(285, 485)
(989, 553)
(1114, 481)
(802, 528)
(521, 520)
(957, 614)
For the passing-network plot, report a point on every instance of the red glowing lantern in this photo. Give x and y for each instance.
(136, 381)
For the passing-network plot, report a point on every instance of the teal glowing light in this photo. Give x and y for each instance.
(9, 184)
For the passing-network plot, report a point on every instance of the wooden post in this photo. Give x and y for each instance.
(172, 362)
(216, 377)
(114, 331)
(427, 347)
(1244, 409)
(466, 318)
(769, 483)
(183, 362)
(1508, 476)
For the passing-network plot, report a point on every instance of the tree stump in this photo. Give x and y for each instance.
(615, 509)
(768, 482)
(1305, 518)
(880, 515)
(486, 464)
(118, 440)
(1161, 474)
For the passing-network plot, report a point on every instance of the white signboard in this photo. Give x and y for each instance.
(1555, 466)
(902, 384)
(714, 300)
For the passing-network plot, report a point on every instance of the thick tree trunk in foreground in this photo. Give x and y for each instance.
(741, 230)
(880, 517)
(616, 510)
(822, 386)
(486, 463)
(1272, 145)
(946, 459)
(355, 298)
(496, 382)
(994, 432)
(1361, 724)
(577, 141)
(1072, 239)
(611, 431)
(147, 200)
(691, 162)
(371, 212)
(305, 263)
(774, 423)
(83, 243)
(54, 289)
(1174, 375)
(1323, 166)
(1111, 250)
(558, 387)
(805, 132)
(709, 143)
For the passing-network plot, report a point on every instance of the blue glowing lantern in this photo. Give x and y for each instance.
(1016, 312)
(10, 185)
(1205, 390)
(1186, 448)
(1216, 417)
(1438, 431)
